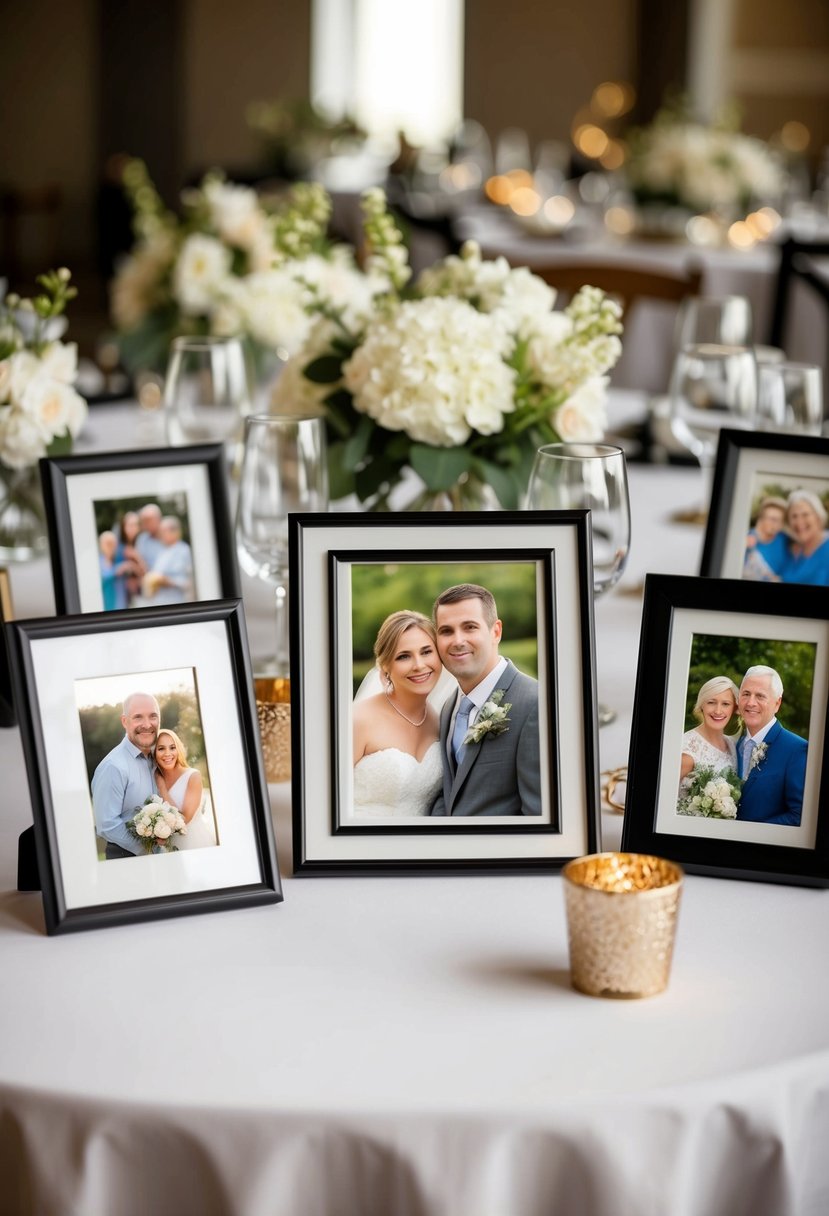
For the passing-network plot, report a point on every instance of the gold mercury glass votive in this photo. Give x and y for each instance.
(273, 706)
(621, 920)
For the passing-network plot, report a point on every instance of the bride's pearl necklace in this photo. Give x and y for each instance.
(406, 716)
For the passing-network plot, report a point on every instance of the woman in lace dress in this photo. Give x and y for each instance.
(707, 745)
(182, 787)
(397, 764)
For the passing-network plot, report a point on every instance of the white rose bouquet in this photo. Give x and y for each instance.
(678, 162)
(460, 377)
(712, 794)
(155, 824)
(230, 265)
(40, 411)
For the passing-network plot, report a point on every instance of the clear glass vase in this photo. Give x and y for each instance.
(22, 515)
(468, 493)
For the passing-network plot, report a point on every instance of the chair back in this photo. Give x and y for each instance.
(798, 265)
(627, 284)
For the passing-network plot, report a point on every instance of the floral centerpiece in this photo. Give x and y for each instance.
(229, 265)
(458, 378)
(677, 162)
(155, 824)
(713, 794)
(40, 411)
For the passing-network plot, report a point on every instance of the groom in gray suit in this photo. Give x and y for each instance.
(495, 771)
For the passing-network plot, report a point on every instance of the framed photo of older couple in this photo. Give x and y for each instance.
(443, 704)
(769, 517)
(729, 761)
(148, 794)
(146, 529)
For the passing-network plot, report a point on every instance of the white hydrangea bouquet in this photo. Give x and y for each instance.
(459, 378)
(155, 825)
(712, 794)
(40, 411)
(228, 266)
(678, 162)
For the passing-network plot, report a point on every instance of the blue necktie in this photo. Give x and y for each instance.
(748, 751)
(461, 726)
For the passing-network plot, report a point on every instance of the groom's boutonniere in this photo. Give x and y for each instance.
(492, 719)
(757, 757)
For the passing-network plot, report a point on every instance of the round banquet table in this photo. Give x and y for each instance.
(411, 1045)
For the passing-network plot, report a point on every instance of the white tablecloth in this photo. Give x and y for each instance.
(413, 1045)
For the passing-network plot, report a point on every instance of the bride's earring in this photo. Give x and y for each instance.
(389, 684)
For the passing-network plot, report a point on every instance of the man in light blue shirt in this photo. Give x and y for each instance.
(148, 544)
(125, 777)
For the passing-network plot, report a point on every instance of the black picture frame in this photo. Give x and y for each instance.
(51, 661)
(71, 485)
(743, 458)
(757, 620)
(327, 553)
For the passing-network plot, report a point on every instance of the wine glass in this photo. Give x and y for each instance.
(726, 320)
(790, 397)
(283, 470)
(206, 391)
(566, 476)
(713, 385)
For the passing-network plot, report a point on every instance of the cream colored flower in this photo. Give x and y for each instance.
(60, 360)
(583, 416)
(202, 267)
(21, 439)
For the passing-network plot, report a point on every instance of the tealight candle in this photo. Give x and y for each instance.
(621, 918)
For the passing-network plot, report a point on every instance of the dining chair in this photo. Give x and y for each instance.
(797, 264)
(628, 284)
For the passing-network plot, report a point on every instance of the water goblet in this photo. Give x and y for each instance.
(283, 470)
(206, 391)
(713, 385)
(790, 397)
(568, 476)
(726, 320)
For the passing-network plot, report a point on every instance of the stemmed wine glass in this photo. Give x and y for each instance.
(283, 470)
(206, 391)
(720, 319)
(567, 476)
(713, 386)
(790, 397)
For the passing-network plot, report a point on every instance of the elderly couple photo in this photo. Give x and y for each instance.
(147, 797)
(740, 762)
(453, 729)
(144, 553)
(788, 540)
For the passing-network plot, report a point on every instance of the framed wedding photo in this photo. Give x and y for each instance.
(141, 743)
(443, 692)
(729, 759)
(769, 517)
(141, 529)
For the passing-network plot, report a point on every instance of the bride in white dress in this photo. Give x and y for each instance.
(182, 786)
(707, 745)
(398, 768)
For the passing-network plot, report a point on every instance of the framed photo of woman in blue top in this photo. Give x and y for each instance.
(769, 516)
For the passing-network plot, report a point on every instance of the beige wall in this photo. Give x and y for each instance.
(532, 63)
(47, 112)
(237, 51)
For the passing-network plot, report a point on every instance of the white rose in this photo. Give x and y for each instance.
(21, 439)
(5, 380)
(163, 830)
(583, 416)
(24, 366)
(48, 403)
(203, 265)
(60, 361)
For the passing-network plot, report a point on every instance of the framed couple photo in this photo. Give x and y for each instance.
(443, 700)
(769, 517)
(145, 529)
(141, 745)
(728, 771)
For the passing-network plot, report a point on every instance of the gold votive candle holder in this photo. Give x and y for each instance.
(273, 707)
(621, 922)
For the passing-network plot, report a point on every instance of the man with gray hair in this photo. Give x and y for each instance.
(772, 760)
(125, 778)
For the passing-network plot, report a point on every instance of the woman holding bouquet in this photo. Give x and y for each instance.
(182, 787)
(707, 746)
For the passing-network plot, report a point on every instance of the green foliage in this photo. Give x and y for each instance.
(714, 655)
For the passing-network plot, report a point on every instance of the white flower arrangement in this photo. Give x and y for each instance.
(230, 267)
(678, 162)
(492, 719)
(459, 378)
(712, 794)
(155, 823)
(40, 411)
